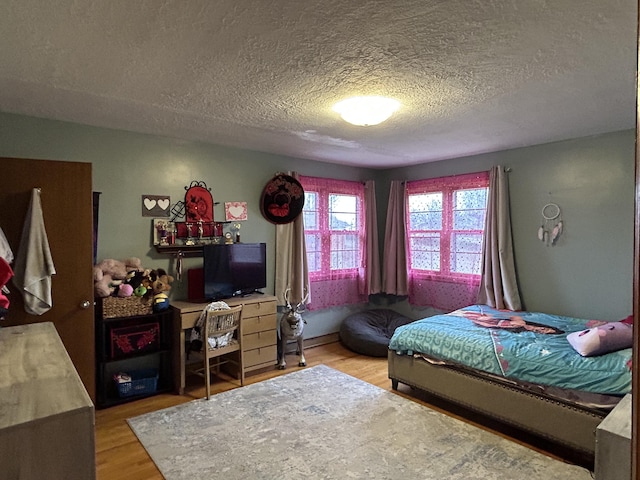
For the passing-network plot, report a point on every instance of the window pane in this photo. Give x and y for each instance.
(466, 254)
(425, 202)
(341, 260)
(344, 252)
(425, 211)
(342, 203)
(425, 251)
(469, 209)
(343, 221)
(466, 263)
(310, 220)
(425, 221)
(312, 242)
(310, 200)
(343, 212)
(314, 255)
(468, 220)
(310, 211)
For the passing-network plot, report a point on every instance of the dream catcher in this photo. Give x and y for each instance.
(552, 225)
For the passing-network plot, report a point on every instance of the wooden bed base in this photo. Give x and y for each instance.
(571, 428)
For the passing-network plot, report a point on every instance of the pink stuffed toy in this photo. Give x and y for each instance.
(102, 283)
(109, 276)
(116, 268)
(606, 338)
(125, 290)
(133, 264)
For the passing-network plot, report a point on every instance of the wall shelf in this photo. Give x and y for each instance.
(186, 250)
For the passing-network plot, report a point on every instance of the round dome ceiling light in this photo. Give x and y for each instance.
(366, 111)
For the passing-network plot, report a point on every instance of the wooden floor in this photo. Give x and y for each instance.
(120, 456)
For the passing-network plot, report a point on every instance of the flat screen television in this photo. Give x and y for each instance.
(234, 269)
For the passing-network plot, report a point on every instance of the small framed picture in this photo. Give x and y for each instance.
(235, 211)
(155, 205)
(163, 232)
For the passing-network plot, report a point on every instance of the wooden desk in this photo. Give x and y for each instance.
(46, 415)
(258, 331)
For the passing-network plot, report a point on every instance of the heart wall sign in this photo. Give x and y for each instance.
(235, 211)
(155, 205)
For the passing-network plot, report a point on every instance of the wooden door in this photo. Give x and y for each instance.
(66, 195)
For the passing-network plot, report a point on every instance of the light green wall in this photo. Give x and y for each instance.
(589, 273)
(128, 165)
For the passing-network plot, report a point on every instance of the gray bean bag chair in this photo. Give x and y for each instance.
(369, 332)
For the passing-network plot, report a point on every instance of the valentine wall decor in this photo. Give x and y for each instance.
(198, 203)
(155, 205)
(197, 209)
(235, 211)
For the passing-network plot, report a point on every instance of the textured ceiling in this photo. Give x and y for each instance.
(473, 76)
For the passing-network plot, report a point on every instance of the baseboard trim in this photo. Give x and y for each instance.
(314, 342)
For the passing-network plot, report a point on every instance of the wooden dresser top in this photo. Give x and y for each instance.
(37, 377)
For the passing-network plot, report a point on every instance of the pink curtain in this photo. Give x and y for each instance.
(441, 293)
(443, 279)
(394, 280)
(331, 282)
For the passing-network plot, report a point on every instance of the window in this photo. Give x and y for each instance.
(334, 237)
(333, 226)
(445, 227)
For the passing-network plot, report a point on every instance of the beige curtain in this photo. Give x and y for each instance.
(394, 277)
(291, 260)
(372, 252)
(498, 286)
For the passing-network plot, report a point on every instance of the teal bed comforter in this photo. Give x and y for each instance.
(525, 346)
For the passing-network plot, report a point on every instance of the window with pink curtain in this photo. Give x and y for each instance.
(445, 227)
(335, 241)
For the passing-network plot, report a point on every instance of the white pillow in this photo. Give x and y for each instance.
(606, 338)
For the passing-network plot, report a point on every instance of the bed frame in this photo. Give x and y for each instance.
(565, 429)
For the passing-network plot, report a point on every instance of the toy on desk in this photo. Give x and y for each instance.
(160, 286)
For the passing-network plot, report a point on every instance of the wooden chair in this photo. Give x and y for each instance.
(221, 342)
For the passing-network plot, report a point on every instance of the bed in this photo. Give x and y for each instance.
(520, 369)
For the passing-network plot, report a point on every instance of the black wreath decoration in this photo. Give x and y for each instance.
(282, 199)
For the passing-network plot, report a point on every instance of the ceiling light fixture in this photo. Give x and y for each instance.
(366, 111)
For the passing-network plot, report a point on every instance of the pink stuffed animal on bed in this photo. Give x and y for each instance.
(606, 338)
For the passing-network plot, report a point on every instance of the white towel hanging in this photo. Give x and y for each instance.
(5, 248)
(34, 266)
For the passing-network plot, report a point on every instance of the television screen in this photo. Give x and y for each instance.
(234, 269)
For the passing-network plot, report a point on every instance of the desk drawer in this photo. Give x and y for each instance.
(188, 320)
(260, 356)
(261, 323)
(259, 339)
(258, 308)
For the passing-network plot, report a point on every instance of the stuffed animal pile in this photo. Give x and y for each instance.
(124, 278)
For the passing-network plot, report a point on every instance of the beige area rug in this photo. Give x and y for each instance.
(319, 423)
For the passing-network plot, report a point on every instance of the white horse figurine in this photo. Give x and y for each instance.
(291, 328)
